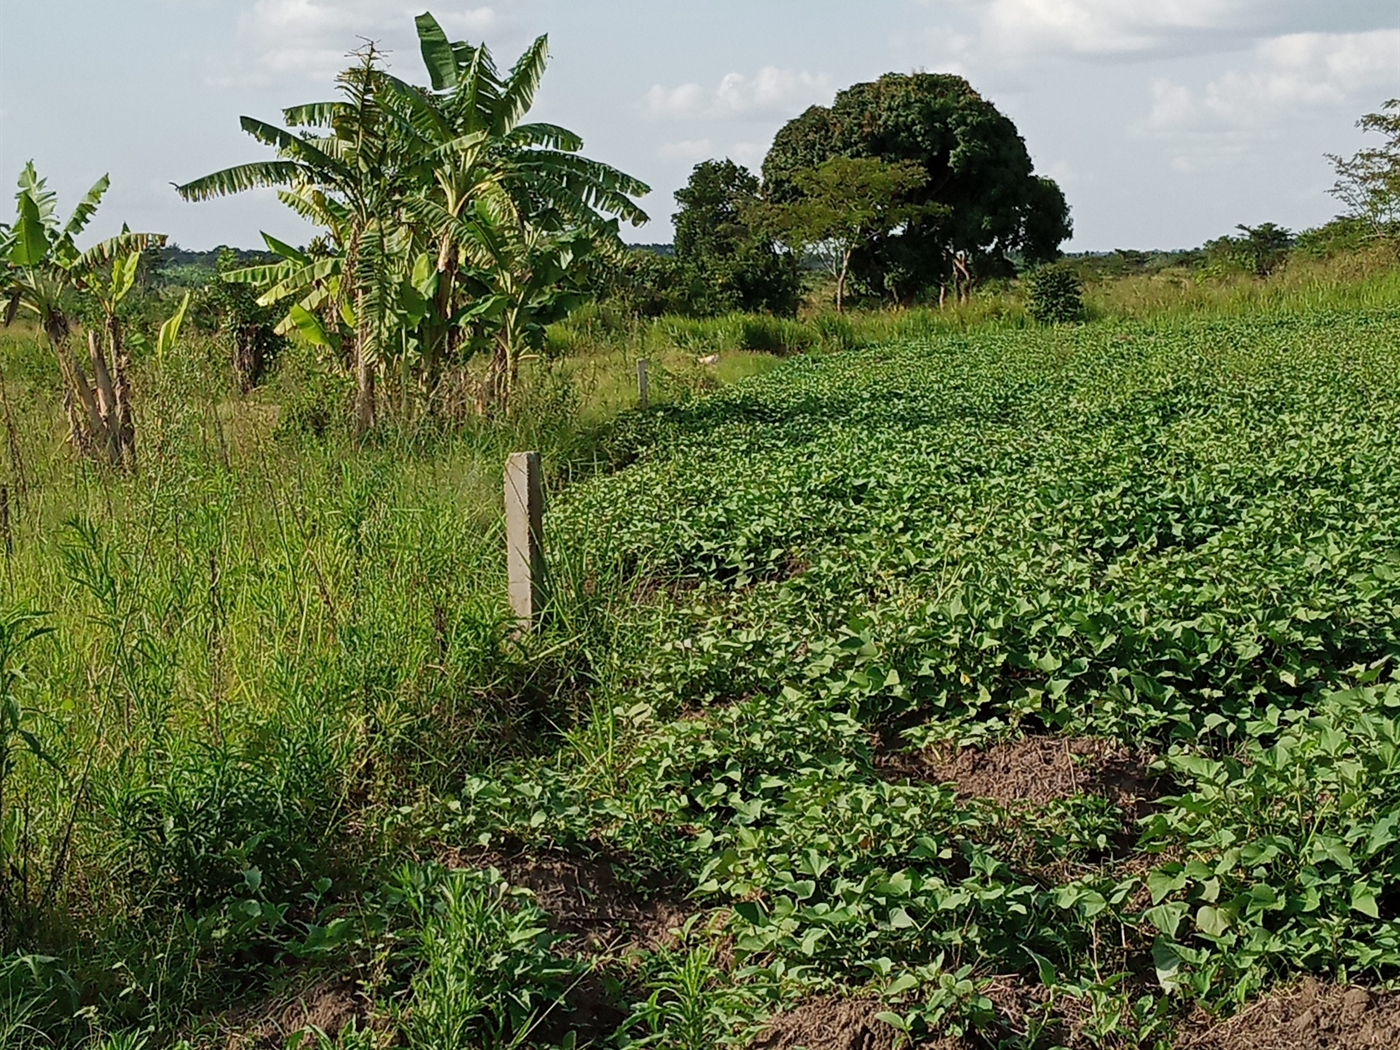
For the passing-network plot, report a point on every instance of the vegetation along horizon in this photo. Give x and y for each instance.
(968, 646)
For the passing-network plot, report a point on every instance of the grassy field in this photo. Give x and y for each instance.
(959, 680)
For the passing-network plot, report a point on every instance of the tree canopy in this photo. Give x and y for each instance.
(736, 266)
(843, 204)
(1368, 182)
(989, 202)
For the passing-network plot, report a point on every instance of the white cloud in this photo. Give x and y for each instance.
(749, 154)
(1286, 77)
(1101, 26)
(1007, 33)
(309, 39)
(770, 92)
(688, 149)
(1287, 73)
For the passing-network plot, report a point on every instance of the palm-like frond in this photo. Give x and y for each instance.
(437, 51)
(413, 107)
(472, 104)
(121, 244)
(291, 146)
(83, 213)
(598, 185)
(521, 88)
(30, 242)
(299, 278)
(263, 274)
(551, 136)
(37, 190)
(285, 250)
(314, 114)
(316, 206)
(242, 177)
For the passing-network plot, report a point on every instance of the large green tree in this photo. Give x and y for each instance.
(734, 263)
(986, 200)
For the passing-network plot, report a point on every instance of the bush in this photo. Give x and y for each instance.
(193, 830)
(317, 406)
(1341, 236)
(1055, 296)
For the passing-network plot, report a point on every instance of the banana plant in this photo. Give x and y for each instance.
(429, 198)
(317, 310)
(353, 177)
(488, 181)
(45, 275)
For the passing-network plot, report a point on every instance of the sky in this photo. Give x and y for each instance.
(1166, 122)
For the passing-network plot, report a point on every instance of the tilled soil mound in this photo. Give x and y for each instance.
(833, 1023)
(590, 907)
(1315, 1017)
(1040, 769)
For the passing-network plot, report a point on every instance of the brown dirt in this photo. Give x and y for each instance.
(328, 1006)
(1037, 770)
(830, 1022)
(1315, 1017)
(589, 905)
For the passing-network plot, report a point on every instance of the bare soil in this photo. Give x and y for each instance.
(1314, 1017)
(590, 907)
(830, 1022)
(1037, 770)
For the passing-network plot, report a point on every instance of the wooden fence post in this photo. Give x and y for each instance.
(525, 535)
(643, 386)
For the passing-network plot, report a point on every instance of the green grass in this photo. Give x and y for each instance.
(278, 680)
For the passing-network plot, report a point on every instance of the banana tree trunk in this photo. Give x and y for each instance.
(248, 361)
(364, 371)
(88, 428)
(121, 389)
(105, 425)
(364, 392)
(504, 371)
(493, 396)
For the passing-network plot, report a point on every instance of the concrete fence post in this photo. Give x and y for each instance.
(525, 536)
(643, 386)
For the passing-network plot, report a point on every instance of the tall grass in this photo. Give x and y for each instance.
(1349, 281)
(256, 648)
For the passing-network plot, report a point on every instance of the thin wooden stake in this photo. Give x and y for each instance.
(525, 536)
(643, 386)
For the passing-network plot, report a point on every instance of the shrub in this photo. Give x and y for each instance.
(218, 811)
(318, 406)
(1055, 296)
